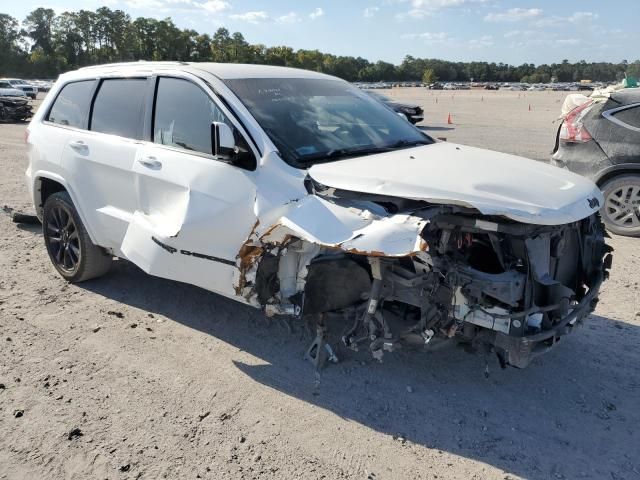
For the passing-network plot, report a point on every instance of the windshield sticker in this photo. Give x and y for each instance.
(306, 150)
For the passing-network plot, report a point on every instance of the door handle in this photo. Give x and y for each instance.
(150, 162)
(79, 146)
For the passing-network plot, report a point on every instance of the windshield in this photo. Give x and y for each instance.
(318, 120)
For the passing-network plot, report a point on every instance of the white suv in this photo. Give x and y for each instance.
(29, 90)
(297, 193)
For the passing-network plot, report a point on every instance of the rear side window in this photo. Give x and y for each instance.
(183, 115)
(630, 116)
(71, 106)
(119, 106)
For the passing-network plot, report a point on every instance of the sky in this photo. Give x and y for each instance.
(509, 31)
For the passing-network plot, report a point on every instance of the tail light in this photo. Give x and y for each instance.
(572, 129)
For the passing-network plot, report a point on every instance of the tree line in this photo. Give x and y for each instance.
(46, 44)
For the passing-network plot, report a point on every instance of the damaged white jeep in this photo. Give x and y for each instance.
(295, 192)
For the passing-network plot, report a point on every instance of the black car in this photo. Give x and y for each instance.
(601, 140)
(14, 108)
(413, 113)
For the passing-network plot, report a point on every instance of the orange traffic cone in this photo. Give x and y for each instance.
(449, 121)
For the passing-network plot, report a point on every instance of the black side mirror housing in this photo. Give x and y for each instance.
(225, 146)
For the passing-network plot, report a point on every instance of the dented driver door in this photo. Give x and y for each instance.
(194, 211)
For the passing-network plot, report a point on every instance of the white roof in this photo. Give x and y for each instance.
(221, 70)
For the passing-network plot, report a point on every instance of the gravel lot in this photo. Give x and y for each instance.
(131, 376)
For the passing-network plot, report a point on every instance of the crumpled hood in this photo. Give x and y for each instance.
(493, 183)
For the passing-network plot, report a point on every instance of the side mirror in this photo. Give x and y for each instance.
(223, 145)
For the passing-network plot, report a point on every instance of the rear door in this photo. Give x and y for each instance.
(99, 160)
(194, 211)
(68, 115)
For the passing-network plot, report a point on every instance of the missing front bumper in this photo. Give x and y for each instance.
(519, 352)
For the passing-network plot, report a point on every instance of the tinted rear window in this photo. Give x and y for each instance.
(72, 104)
(118, 108)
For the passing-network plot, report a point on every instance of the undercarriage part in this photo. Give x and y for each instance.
(320, 352)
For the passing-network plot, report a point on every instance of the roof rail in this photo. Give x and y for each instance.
(133, 63)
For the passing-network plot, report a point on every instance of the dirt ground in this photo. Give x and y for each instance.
(131, 376)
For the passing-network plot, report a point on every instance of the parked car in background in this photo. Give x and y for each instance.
(600, 139)
(7, 90)
(14, 104)
(14, 108)
(30, 90)
(435, 86)
(411, 112)
(42, 85)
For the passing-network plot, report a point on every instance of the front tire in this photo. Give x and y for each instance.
(621, 211)
(70, 249)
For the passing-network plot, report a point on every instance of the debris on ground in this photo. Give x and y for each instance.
(74, 433)
(19, 217)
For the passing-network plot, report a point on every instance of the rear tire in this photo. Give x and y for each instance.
(70, 249)
(621, 210)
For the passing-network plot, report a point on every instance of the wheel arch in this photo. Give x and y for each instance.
(615, 171)
(46, 184)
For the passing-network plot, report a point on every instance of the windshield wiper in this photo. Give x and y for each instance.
(408, 143)
(341, 153)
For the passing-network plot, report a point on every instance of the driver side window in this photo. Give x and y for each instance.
(183, 115)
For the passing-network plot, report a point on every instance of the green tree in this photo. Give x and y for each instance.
(429, 76)
(12, 57)
(57, 43)
(39, 27)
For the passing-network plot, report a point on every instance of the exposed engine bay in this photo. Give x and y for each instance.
(451, 272)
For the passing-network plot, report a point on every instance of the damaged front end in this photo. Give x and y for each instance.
(406, 271)
(14, 108)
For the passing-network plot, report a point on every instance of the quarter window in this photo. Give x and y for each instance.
(72, 104)
(183, 115)
(118, 107)
(630, 116)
